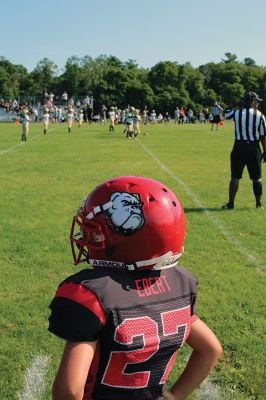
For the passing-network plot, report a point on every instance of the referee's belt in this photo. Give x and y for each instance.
(247, 141)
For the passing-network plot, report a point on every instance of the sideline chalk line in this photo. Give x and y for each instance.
(208, 391)
(34, 382)
(254, 260)
(23, 143)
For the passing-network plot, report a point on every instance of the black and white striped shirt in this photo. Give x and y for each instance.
(249, 124)
(216, 110)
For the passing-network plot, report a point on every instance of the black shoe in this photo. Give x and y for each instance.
(228, 206)
(259, 205)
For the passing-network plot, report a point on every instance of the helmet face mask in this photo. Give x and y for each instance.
(129, 223)
(84, 234)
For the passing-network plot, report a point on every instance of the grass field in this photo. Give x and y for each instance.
(44, 180)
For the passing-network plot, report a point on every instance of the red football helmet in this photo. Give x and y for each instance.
(129, 223)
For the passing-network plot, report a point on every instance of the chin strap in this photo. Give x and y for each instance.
(167, 260)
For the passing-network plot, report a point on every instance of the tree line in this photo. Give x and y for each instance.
(113, 82)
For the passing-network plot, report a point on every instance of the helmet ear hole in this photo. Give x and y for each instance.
(174, 203)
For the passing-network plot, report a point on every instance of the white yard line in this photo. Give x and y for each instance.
(233, 241)
(29, 139)
(34, 382)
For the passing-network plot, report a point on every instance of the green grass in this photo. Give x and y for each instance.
(44, 181)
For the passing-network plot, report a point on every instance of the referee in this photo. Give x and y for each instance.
(216, 112)
(250, 131)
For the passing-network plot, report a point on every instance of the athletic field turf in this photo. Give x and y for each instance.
(44, 180)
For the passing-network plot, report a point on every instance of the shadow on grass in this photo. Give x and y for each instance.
(205, 209)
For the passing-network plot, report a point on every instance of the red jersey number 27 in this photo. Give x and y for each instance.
(147, 328)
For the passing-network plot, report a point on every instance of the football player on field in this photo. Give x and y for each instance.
(125, 317)
(46, 119)
(70, 118)
(25, 121)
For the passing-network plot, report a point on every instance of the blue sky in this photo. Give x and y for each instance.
(147, 31)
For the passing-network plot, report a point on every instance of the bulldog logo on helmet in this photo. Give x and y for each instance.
(126, 212)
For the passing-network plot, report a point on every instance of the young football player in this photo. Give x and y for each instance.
(125, 317)
(136, 123)
(25, 122)
(130, 124)
(80, 117)
(112, 119)
(46, 118)
(70, 118)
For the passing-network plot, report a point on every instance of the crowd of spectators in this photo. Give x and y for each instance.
(58, 106)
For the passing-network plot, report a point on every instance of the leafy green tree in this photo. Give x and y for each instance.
(5, 87)
(113, 82)
(71, 77)
(11, 76)
(230, 57)
(230, 73)
(249, 61)
(195, 86)
(162, 74)
(232, 92)
(210, 98)
(43, 76)
(251, 77)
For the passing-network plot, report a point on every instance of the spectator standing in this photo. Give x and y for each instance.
(160, 118)
(59, 114)
(35, 113)
(87, 101)
(103, 114)
(49, 104)
(46, 96)
(153, 117)
(14, 104)
(201, 117)
(65, 98)
(176, 115)
(250, 132)
(51, 97)
(166, 118)
(181, 116)
(190, 114)
(145, 115)
(89, 113)
(71, 102)
(56, 114)
(206, 115)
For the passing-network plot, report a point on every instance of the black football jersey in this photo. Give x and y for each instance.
(139, 320)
